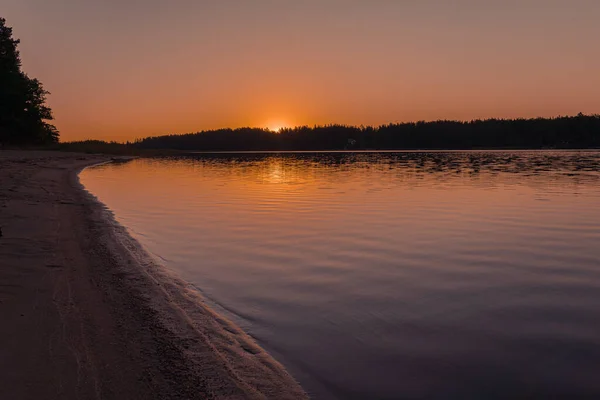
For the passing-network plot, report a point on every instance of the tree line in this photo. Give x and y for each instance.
(569, 132)
(23, 109)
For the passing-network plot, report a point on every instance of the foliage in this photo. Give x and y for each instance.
(23, 109)
(581, 131)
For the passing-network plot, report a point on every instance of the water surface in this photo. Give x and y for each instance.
(387, 275)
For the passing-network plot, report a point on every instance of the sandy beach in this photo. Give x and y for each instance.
(87, 314)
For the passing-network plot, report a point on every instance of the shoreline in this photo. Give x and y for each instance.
(89, 314)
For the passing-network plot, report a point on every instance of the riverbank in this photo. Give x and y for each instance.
(87, 314)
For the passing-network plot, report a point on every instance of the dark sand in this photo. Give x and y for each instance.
(86, 314)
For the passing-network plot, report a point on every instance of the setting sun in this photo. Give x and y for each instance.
(277, 125)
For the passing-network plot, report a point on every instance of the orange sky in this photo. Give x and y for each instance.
(133, 68)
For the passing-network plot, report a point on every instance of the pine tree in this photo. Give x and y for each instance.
(23, 109)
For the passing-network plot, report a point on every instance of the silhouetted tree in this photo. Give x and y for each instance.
(23, 109)
(581, 131)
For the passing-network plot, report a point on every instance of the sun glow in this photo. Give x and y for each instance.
(277, 125)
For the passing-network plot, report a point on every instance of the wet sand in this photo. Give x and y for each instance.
(87, 314)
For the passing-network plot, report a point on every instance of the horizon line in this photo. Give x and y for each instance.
(336, 124)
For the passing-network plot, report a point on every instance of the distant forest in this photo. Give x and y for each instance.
(581, 131)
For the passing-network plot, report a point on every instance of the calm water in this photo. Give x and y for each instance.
(388, 275)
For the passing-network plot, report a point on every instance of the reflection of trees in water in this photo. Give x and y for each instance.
(485, 167)
(514, 162)
(444, 170)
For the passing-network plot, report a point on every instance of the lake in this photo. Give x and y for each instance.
(386, 275)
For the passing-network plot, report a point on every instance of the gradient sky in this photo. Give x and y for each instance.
(132, 68)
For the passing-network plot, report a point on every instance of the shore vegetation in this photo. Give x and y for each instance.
(24, 114)
(567, 132)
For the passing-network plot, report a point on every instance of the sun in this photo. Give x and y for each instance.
(276, 125)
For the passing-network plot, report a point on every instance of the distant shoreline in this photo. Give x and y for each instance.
(381, 151)
(123, 151)
(564, 132)
(92, 315)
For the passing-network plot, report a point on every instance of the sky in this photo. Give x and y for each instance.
(126, 69)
